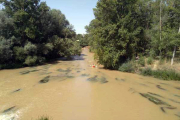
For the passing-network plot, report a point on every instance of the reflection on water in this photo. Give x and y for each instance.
(72, 90)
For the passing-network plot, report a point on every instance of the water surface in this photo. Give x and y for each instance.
(72, 90)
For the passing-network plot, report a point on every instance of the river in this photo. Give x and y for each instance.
(73, 90)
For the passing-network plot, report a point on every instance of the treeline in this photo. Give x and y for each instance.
(32, 33)
(125, 29)
(83, 39)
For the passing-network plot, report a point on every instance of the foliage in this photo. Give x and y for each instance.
(5, 50)
(117, 31)
(32, 33)
(31, 60)
(83, 39)
(150, 61)
(127, 67)
(141, 61)
(161, 74)
(123, 29)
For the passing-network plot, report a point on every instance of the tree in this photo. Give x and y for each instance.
(32, 33)
(116, 31)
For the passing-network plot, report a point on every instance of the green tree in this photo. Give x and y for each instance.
(117, 30)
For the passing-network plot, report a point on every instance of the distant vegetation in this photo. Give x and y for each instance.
(83, 39)
(32, 33)
(161, 74)
(126, 29)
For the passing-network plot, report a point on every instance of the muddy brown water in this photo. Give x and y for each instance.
(72, 90)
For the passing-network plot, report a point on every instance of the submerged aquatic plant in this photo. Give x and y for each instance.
(17, 90)
(85, 75)
(118, 79)
(28, 71)
(154, 99)
(61, 70)
(44, 118)
(96, 79)
(103, 80)
(45, 80)
(9, 109)
(93, 79)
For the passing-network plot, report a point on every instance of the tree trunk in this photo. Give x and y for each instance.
(160, 25)
(174, 52)
(160, 21)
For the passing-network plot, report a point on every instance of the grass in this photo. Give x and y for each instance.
(127, 67)
(141, 61)
(161, 74)
(150, 61)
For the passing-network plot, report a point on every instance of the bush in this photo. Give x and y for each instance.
(31, 60)
(141, 61)
(127, 67)
(5, 50)
(161, 61)
(150, 61)
(20, 54)
(30, 49)
(161, 74)
(146, 72)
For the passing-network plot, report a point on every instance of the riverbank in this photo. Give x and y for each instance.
(161, 69)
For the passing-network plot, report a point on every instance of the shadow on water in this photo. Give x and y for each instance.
(72, 58)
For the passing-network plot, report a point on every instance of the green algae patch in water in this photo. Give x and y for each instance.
(45, 80)
(67, 70)
(178, 115)
(103, 80)
(28, 71)
(170, 107)
(178, 88)
(174, 101)
(177, 96)
(155, 94)
(85, 75)
(70, 77)
(9, 109)
(96, 79)
(158, 86)
(93, 79)
(43, 118)
(154, 99)
(123, 80)
(18, 90)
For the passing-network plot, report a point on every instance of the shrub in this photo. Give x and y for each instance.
(5, 50)
(141, 61)
(146, 72)
(31, 60)
(30, 49)
(150, 61)
(161, 74)
(20, 54)
(161, 61)
(127, 67)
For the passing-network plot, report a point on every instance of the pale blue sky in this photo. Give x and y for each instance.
(78, 12)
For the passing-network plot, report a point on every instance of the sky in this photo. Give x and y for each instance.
(78, 12)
